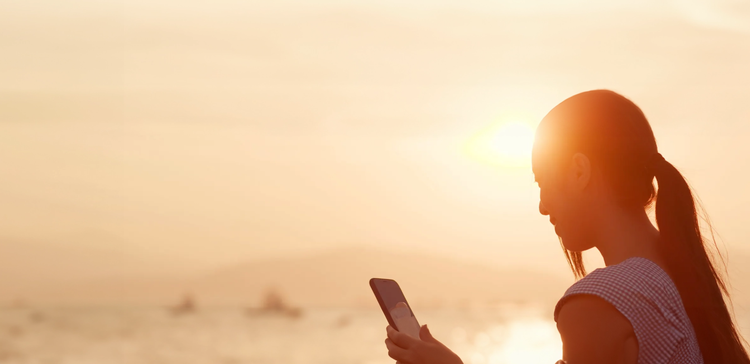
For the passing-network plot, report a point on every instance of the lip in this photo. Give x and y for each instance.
(552, 221)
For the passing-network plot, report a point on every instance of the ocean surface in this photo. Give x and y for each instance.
(503, 334)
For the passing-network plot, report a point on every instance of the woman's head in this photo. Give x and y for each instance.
(596, 150)
(591, 149)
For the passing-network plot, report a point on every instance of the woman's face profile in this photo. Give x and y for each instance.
(564, 175)
(564, 204)
(549, 199)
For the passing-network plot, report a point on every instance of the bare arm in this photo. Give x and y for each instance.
(594, 332)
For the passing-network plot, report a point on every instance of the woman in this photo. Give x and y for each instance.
(659, 298)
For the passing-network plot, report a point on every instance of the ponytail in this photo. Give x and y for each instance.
(701, 287)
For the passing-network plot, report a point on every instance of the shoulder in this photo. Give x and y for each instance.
(594, 331)
(633, 283)
(610, 314)
(584, 313)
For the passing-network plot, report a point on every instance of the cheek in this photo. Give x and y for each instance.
(548, 200)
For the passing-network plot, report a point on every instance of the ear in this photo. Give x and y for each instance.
(580, 171)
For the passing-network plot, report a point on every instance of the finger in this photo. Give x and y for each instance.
(426, 335)
(400, 339)
(401, 355)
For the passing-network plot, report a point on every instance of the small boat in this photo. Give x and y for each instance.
(273, 304)
(187, 305)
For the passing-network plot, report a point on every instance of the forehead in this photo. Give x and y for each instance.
(541, 157)
(553, 141)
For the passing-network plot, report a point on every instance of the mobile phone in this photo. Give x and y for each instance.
(393, 303)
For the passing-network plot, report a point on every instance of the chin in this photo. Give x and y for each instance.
(574, 245)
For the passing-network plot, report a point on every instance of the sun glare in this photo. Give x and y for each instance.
(505, 144)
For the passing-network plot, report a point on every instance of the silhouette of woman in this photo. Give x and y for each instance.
(659, 298)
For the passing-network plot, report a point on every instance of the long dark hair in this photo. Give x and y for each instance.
(616, 136)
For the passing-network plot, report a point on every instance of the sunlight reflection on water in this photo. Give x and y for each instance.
(231, 336)
(514, 334)
(522, 340)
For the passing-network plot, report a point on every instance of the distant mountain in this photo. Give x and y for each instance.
(51, 274)
(41, 271)
(340, 278)
(329, 279)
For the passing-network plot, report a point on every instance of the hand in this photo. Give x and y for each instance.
(408, 350)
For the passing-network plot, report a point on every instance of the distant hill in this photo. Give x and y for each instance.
(340, 278)
(327, 279)
(332, 278)
(39, 271)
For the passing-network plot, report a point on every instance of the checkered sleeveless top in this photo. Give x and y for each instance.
(648, 298)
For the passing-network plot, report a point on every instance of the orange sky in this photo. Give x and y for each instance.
(207, 133)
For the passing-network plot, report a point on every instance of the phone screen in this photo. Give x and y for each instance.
(394, 306)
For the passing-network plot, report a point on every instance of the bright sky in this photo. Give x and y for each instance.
(215, 132)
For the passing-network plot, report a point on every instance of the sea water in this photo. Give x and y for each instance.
(498, 335)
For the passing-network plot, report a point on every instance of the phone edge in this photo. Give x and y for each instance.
(380, 300)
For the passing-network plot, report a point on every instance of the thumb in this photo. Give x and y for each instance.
(425, 335)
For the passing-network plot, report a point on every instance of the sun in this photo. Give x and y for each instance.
(505, 144)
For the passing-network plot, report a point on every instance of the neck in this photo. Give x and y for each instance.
(624, 234)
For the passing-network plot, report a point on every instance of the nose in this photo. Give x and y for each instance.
(542, 209)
